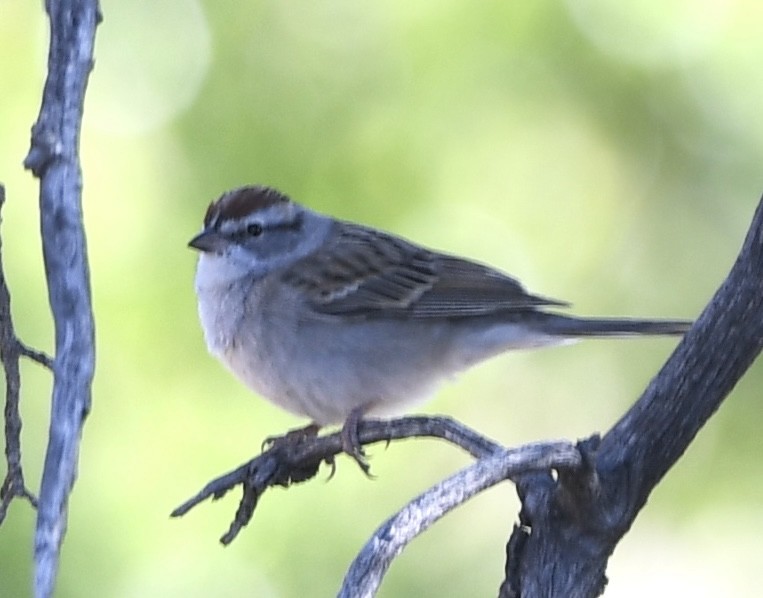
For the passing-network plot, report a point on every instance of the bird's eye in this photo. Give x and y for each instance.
(254, 229)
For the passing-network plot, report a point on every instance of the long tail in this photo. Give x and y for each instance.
(567, 326)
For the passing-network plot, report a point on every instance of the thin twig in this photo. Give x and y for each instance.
(10, 349)
(285, 463)
(40, 357)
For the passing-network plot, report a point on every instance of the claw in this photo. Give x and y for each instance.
(331, 462)
(351, 439)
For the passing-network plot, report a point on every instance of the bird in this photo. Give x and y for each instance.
(334, 321)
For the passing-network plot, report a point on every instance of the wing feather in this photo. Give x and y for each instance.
(369, 273)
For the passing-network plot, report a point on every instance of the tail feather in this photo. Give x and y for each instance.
(558, 325)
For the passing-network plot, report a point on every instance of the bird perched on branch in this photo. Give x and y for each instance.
(332, 320)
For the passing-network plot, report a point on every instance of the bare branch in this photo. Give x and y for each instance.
(285, 463)
(10, 349)
(53, 157)
(38, 356)
(570, 527)
(704, 368)
(571, 522)
(367, 570)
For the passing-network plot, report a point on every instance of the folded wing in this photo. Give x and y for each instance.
(368, 273)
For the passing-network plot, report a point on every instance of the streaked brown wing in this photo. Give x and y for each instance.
(369, 273)
(465, 288)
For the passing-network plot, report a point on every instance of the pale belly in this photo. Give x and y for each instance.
(324, 371)
(323, 368)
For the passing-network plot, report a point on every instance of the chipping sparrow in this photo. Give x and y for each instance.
(332, 320)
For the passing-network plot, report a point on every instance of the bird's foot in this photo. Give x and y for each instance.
(351, 439)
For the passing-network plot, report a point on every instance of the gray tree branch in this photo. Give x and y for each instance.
(367, 569)
(286, 462)
(11, 351)
(54, 159)
(570, 526)
(570, 521)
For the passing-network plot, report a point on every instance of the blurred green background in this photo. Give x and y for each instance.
(608, 154)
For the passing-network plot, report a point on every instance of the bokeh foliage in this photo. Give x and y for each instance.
(609, 154)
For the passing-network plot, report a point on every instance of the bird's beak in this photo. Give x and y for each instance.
(208, 241)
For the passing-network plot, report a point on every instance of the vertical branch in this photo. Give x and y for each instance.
(11, 350)
(54, 159)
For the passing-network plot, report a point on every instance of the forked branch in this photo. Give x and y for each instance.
(570, 527)
(570, 522)
(11, 350)
(286, 463)
(367, 570)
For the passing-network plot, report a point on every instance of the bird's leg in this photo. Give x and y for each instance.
(349, 434)
(351, 440)
(294, 436)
